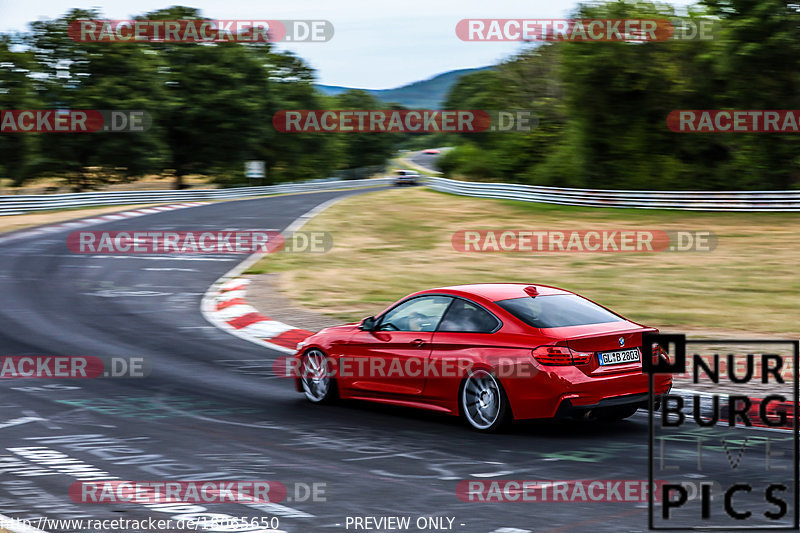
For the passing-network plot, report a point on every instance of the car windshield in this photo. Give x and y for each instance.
(557, 310)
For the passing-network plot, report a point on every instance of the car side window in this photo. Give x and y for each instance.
(417, 314)
(466, 317)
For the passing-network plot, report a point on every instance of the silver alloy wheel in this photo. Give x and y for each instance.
(481, 399)
(315, 379)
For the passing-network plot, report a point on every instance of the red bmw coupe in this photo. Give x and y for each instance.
(490, 353)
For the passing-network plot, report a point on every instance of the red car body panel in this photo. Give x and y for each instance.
(534, 390)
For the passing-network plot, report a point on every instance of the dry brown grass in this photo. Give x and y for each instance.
(390, 243)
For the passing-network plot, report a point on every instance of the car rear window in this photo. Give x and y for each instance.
(557, 310)
(467, 317)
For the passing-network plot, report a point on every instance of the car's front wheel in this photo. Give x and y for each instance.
(318, 385)
(484, 404)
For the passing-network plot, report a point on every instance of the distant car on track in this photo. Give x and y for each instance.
(490, 353)
(431, 151)
(406, 177)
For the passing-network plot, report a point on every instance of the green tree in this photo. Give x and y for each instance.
(74, 75)
(757, 58)
(217, 101)
(529, 81)
(295, 156)
(19, 152)
(366, 149)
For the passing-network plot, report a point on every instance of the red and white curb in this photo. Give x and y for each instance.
(94, 221)
(225, 305)
(232, 313)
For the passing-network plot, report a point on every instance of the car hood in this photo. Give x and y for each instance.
(343, 328)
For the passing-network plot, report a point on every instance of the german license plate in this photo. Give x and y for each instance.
(619, 357)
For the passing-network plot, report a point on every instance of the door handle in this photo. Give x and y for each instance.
(419, 343)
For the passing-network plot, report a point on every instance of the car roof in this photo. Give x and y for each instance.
(498, 291)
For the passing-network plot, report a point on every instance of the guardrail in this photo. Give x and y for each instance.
(749, 201)
(21, 204)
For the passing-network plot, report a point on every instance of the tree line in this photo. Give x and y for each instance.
(602, 106)
(211, 105)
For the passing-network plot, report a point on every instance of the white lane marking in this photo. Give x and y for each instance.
(122, 293)
(171, 269)
(44, 421)
(493, 474)
(95, 221)
(20, 420)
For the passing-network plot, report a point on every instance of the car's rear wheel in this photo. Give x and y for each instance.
(318, 385)
(483, 402)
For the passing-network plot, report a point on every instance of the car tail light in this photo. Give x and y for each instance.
(560, 356)
(659, 352)
(581, 358)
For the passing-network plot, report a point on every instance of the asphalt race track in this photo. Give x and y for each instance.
(212, 408)
(427, 161)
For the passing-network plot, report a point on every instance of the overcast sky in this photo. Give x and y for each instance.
(378, 44)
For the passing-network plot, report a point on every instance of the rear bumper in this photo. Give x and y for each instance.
(553, 392)
(641, 400)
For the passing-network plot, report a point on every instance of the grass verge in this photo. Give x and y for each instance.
(390, 243)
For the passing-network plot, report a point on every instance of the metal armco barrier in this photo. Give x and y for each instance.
(750, 201)
(21, 204)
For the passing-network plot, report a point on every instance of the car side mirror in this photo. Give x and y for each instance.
(368, 324)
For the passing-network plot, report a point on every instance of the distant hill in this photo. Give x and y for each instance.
(426, 94)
